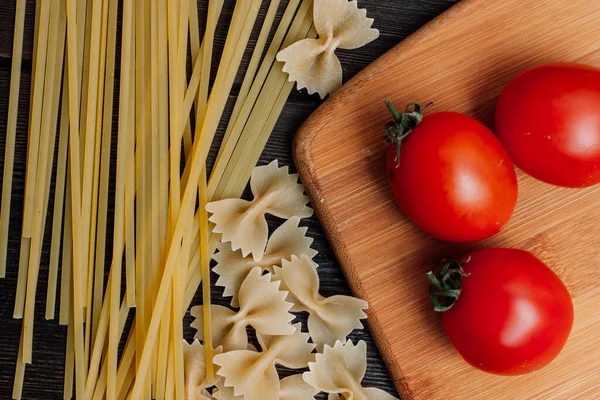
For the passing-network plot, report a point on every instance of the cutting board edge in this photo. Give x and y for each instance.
(300, 151)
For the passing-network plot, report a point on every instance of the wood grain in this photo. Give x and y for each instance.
(461, 60)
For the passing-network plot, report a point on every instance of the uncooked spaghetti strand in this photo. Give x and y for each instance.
(138, 268)
(205, 261)
(45, 153)
(194, 29)
(59, 201)
(105, 164)
(32, 154)
(36, 116)
(100, 91)
(215, 8)
(74, 162)
(192, 90)
(118, 246)
(67, 258)
(19, 373)
(163, 351)
(11, 131)
(69, 357)
(152, 242)
(155, 148)
(163, 130)
(100, 345)
(59, 190)
(89, 109)
(178, 122)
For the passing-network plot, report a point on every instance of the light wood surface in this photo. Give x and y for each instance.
(461, 60)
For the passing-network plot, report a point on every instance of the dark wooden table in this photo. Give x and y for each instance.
(396, 19)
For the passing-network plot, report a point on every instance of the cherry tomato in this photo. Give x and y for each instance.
(549, 120)
(512, 314)
(452, 177)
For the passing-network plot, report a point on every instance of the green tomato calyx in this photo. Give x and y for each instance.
(402, 125)
(446, 284)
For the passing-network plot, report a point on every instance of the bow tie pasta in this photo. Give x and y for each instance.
(339, 371)
(312, 63)
(243, 223)
(262, 306)
(285, 241)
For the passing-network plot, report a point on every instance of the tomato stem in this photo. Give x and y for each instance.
(402, 125)
(446, 284)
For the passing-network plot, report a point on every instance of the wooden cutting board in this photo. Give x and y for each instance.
(461, 60)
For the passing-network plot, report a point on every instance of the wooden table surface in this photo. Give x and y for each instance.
(395, 19)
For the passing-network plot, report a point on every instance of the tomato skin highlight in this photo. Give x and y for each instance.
(513, 315)
(454, 180)
(548, 118)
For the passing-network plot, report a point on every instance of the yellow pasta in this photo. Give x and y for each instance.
(126, 73)
(11, 131)
(257, 119)
(36, 115)
(65, 278)
(40, 188)
(59, 191)
(255, 91)
(205, 262)
(19, 375)
(89, 124)
(97, 129)
(163, 172)
(105, 165)
(137, 267)
(69, 359)
(251, 72)
(222, 88)
(32, 152)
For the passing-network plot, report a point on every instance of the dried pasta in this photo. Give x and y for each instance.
(294, 388)
(262, 306)
(253, 374)
(339, 371)
(312, 63)
(223, 392)
(287, 240)
(243, 223)
(330, 319)
(195, 371)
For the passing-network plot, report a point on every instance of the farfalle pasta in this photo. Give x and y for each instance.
(330, 319)
(253, 374)
(243, 223)
(195, 371)
(291, 388)
(294, 388)
(287, 240)
(312, 63)
(222, 392)
(339, 371)
(262, 306)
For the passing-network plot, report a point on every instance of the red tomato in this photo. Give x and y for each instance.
(513, 314)
(549, 120)
(453, 179)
